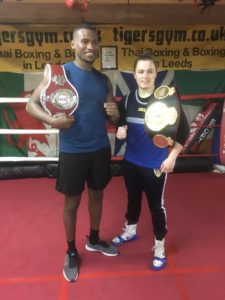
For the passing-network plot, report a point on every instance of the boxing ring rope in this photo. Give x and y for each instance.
(33, 131)
(29, 131)
(25, 159)
(110, 129)
(203, 96)
(25, 131)
(13, 100)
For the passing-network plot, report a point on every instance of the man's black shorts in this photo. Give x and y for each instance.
(76, 169)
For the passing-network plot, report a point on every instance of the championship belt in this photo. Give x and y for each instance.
(59, 97)
(162, 116)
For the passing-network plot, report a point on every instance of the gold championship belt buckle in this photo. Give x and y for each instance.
(162, 116)
(59, 97)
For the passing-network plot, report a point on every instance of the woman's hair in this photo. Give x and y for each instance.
(146, 57)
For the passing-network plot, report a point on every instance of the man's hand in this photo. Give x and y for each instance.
(62, 122)
(112, 111)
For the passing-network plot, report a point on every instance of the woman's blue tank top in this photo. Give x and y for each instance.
(140, 149)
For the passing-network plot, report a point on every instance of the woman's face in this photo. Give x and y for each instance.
(145, 74)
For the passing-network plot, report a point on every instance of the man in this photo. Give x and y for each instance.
(84, 151)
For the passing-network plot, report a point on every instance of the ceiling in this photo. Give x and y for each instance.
(111, 12)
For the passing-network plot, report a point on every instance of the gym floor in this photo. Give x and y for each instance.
(33, 245)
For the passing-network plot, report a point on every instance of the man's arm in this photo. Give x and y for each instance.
(111, 106)
(35, 109)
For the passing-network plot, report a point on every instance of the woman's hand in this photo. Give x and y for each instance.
(167, 165)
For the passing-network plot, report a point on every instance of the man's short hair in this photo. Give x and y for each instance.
(88, 26)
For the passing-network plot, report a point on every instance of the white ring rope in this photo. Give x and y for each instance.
(25, 131)
(29, 131)
(30, 158)
(13, 100)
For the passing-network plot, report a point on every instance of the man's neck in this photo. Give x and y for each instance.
(83, 65)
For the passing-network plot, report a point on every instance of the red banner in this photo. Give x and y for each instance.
(222, 137)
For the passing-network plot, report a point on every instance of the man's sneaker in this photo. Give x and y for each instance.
(102, 247)
(71, 266)
(129, 234)
(159, 258)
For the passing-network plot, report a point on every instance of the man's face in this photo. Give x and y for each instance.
(86, 46)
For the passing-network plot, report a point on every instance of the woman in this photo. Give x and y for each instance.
(146, 165)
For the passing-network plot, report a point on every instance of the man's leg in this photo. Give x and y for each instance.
(71, 266)
(71, 205)
(95, 208)
(95, 211)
